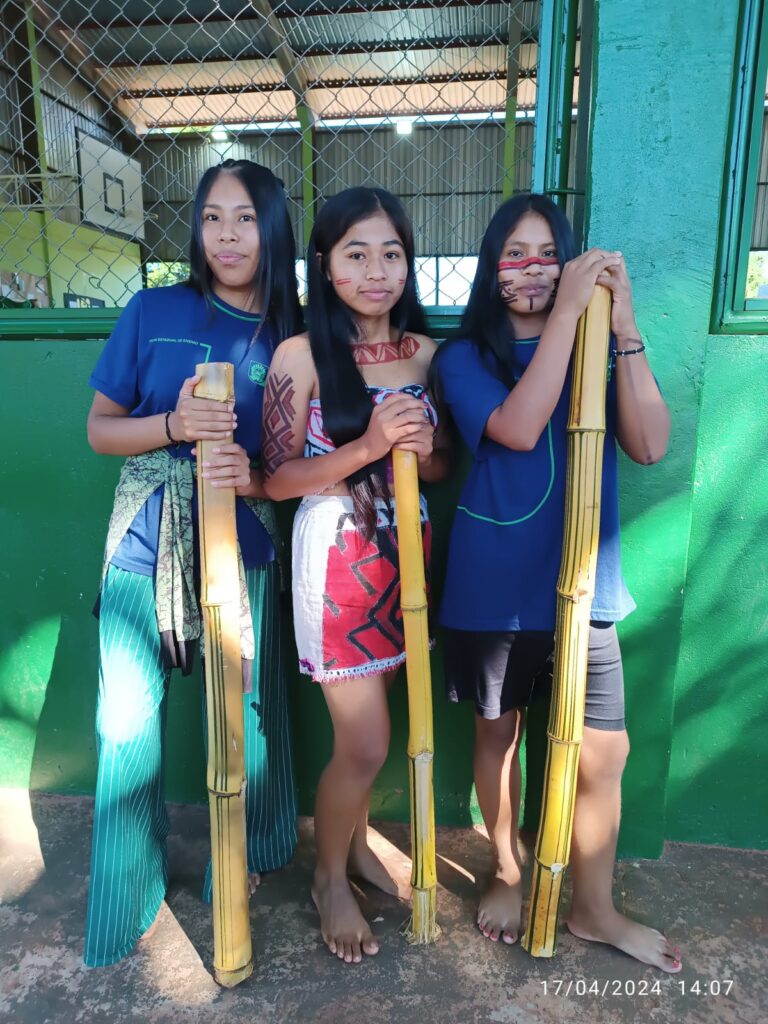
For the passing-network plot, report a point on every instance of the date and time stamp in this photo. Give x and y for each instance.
(698, 988)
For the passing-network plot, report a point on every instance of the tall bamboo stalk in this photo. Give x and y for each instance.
(422, 927)
(575, 590)
(220, 600)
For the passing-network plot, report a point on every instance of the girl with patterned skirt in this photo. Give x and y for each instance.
(239, 302)
(338, 399)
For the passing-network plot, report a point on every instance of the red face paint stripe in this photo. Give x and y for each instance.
(522, 264)
(343, 280)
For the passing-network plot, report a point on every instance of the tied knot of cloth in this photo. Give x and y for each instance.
(179, 620)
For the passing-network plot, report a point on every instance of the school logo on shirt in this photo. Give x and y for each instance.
(257, 372)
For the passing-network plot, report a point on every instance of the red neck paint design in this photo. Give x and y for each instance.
(522, 264)
(385, 351)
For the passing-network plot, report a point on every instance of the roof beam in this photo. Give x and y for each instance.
(446, 113)
(357, 81)
(287, 60)
(56, 32)
(346, 49)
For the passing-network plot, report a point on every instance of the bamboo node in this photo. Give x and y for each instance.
(425, 756)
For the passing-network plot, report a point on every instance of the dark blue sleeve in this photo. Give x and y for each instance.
(470, 390)
(116, 373)
(611, 405)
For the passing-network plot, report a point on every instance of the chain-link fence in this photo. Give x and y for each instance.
(111, 110)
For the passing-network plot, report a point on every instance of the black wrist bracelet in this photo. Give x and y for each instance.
(630, 351)
(168, 429)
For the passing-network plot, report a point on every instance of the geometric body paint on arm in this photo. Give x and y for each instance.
(279, 412)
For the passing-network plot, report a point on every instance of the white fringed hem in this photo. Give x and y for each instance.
(371, 668)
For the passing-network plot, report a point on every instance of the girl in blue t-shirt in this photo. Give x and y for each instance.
(507, 385)
(239, 302)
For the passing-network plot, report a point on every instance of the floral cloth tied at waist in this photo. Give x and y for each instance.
(179, 620)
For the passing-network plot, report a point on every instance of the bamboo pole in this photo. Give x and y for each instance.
(220, 601)
(575, 590)
(422, 926)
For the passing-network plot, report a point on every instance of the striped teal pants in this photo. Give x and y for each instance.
(129, 867)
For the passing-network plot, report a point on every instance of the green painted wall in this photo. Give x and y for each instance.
(83, 260)
(695, 538)
(50, 558)
(696, 544)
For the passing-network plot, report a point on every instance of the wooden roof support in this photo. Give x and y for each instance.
(58, 32)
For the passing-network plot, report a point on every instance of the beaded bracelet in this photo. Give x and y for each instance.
(630, 351)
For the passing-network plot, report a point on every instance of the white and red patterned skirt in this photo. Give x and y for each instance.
(346, 590)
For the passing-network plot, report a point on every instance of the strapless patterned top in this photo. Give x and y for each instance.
(318, 442)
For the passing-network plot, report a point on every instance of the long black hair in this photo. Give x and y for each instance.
(333, 329)
(485, 319)
(275, 278)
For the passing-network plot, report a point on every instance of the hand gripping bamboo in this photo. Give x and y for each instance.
(220, 601)
(422, 927)
(575, 590)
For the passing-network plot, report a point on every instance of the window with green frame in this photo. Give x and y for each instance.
(741, 292)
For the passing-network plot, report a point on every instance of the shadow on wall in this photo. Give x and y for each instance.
(718, 780)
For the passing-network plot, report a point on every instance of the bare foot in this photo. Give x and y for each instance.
(394, 880)
(498, 913)
(254, 881)
(344, 929)
(637, 940)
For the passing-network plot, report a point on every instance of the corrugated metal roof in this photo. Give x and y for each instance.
(358, 68)
(357, 61)
(277, 106)
(142, 44)
(399, 100)
(177, 77)
(468, 61)
(199, 64)
(487, 22)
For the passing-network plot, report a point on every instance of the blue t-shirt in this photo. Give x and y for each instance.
(160, 337)
(507, 535)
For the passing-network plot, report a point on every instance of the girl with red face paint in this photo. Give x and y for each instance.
(507, 386)
(338, 400)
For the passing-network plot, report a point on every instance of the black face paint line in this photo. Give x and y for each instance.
(530, 303)
(506, 294)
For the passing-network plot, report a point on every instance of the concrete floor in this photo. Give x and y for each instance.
(713, 902)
